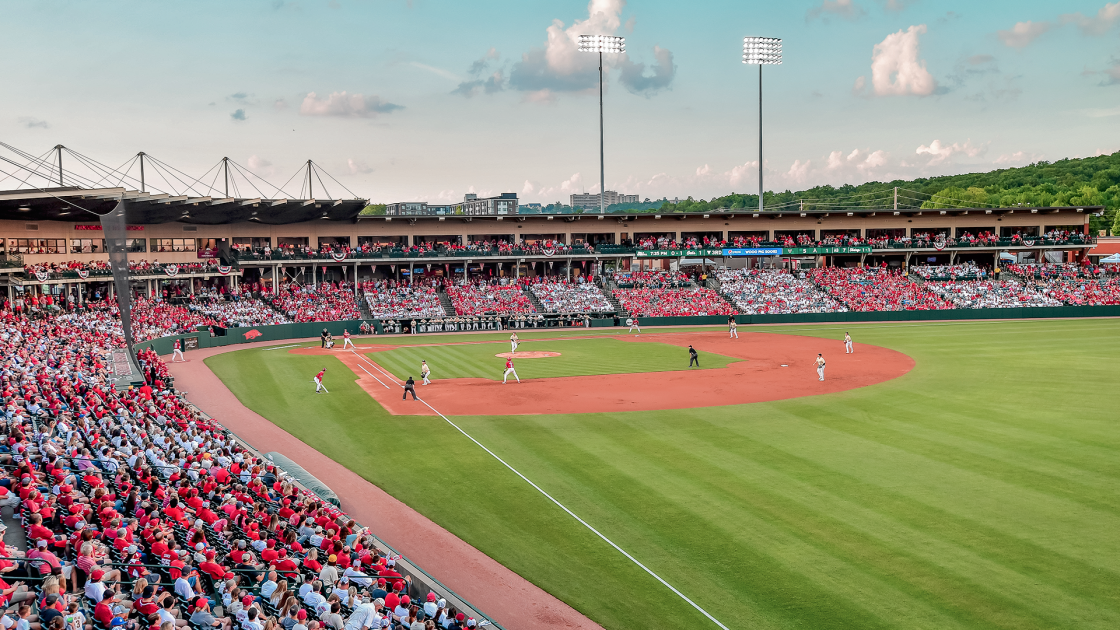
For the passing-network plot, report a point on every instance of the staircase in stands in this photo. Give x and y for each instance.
(445, 302)
(537, 306)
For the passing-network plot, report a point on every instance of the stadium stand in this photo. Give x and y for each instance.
(481, 298)
(649, 302)
(567, 297)
(387, 299)
(875, 289)
(762, 291)
(139, 512)
(325, 302)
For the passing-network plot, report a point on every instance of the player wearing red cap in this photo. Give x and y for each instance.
(319, 381)
(510, 370)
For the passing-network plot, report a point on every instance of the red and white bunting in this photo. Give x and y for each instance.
(171, 270)
(224, 269)
(338, 256)
(83, 273)
(42, 275)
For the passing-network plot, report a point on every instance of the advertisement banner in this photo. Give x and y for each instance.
(753, 251)
(678, 253)
(820, 251)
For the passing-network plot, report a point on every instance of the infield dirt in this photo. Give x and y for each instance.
(773, 367)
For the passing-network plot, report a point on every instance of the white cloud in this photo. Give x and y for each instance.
(895, 67)
(840, 8)
(357, 166)
(560, 67)
(345, 105)
(1099, 24)
(447, 74)
(1022, 34)
(940, 152)
(798, 171)
(559, 192)
(859, 88)
(33, 123)
(257, 163)
(1018, 158)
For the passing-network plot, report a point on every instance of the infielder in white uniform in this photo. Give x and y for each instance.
(509, 370)
(633, 325)
(346, 343)
(513, 343)
(820, 366)
(178, 352)
(425, 371)
(848, 349)
(732, 328)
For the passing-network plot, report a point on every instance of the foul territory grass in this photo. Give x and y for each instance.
(981, 490)
(578, 357)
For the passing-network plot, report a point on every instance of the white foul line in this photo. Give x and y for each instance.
(560, 505)
(368, 372)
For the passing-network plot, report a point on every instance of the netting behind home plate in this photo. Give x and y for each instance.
(115, 227)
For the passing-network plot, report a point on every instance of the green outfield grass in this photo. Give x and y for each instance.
(578, 357)
(981, 490)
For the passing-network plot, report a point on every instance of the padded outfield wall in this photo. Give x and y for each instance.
(280, 332)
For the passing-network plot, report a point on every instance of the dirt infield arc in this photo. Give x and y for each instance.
(775, 367)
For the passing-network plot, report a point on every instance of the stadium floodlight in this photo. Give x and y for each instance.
(602, 44)
(761, 51)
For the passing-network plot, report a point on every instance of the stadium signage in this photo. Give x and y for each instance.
(97, 228)
(678, 253)
(795, 251)
(753, 251)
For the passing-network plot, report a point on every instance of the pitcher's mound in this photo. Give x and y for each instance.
(526, 355)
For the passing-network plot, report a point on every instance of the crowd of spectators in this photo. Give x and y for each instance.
(324, 302)
(567, 297)
(963, 271)
(1005, 293)
(392, 299)
(152, 318)
(480, 298)
(139, 512)
(104, 268)
(652, 279)
(762, 291)
(875, 289)
(649, 302)
(236, 309)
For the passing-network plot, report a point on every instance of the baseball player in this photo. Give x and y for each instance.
(848, 349)
(732, 328)
(510, 370)
(319, 381)
(425, 371)
(178, 352)
(346, 343)
(820, 366)
(513, 343)
(633, 325)
(693, 357)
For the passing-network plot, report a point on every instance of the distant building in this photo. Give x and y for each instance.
(610, 197)
(505, 203)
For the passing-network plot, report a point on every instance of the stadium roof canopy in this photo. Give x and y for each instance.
(78, 204)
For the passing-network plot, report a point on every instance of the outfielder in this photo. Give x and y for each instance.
(820, 366)
(633, 325)
(346, 343)
(319, 381)
(732, 328)
(178, 352)
(848, 349)
(513, 343)
(425, 371)
(510, 370)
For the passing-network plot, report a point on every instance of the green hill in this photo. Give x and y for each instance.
(1093, 181)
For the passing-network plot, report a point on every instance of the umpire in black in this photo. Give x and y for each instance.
(692, 358)
(409, 386)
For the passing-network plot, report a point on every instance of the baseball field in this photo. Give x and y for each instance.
(947, 475)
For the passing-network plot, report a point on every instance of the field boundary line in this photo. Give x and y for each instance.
(395, 380)
(370, 373)
(575, 516)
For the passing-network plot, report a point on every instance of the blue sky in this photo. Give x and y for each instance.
(429, 99)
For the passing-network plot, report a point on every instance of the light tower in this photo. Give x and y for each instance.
(602, 44)
(761, 51)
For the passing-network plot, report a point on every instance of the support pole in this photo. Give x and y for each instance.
(310, 190)
(602, 167)
(760, 204)
(225, 162)
(143, 188)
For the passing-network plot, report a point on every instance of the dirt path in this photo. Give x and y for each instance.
(502, 594)
(776, 367)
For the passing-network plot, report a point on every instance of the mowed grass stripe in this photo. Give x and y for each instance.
(972, 492)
